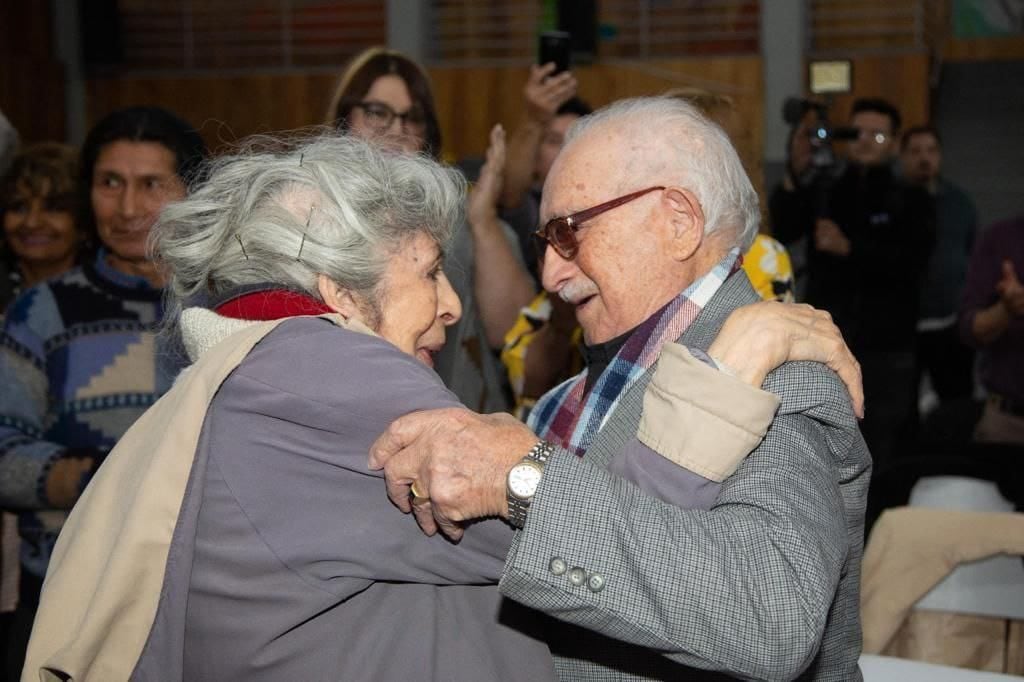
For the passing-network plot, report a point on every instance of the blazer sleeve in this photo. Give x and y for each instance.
(743, 587)
(291, 431)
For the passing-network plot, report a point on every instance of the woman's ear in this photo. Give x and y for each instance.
(338, 298)
(687, 222)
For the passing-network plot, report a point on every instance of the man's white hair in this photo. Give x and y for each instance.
(285, 211)
(697, 156)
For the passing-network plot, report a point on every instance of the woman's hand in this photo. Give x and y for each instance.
(482, 205)
(759, 337)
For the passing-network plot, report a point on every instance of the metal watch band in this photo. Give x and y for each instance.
(540, 452)
(517, 508)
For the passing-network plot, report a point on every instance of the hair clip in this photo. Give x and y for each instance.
(301, 157)
(240, 244)
(309, 219)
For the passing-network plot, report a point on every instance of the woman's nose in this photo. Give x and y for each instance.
(449, 307)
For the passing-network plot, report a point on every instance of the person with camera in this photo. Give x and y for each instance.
(869, 239)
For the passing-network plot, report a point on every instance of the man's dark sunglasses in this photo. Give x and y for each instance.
(561, 232)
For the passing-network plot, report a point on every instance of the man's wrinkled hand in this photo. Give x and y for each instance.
(459, 461)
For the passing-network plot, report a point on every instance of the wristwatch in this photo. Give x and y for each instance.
(523, 480)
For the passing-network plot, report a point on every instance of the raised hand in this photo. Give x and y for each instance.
(544, 93)
(482, 204)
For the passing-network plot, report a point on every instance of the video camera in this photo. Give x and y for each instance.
(821, 136)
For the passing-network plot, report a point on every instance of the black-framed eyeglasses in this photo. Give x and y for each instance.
(561, 232)
(380, 116)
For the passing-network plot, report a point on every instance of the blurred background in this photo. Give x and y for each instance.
(237, 67)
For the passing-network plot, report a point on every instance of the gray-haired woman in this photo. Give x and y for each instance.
(236, 532)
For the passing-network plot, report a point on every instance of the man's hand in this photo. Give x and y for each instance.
(830, 239)
(482, 205)
(544, 93)
(1011, 291)
(759, 337)
(459, 460)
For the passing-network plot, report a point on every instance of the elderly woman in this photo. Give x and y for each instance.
(236, 531)
(386, 97)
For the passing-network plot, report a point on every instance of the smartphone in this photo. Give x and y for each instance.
(555, 47)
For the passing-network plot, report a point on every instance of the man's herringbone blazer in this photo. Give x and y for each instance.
(764, 585)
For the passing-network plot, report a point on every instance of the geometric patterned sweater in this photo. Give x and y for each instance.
(80, 361)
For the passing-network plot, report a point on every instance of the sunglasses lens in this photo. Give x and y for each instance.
(563, 238)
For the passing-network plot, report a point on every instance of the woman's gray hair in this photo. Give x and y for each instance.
(284, 212)
(702, 159)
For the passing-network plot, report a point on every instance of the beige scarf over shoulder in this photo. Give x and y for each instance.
(103, 585)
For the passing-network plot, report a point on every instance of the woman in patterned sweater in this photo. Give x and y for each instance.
(80, 358)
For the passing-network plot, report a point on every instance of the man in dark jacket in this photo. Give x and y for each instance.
(869, 238)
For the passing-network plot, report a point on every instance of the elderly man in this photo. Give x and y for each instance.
(647, 208)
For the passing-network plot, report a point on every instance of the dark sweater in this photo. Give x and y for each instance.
(874, 292)
(80, 360)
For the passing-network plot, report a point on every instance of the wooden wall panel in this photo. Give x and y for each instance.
(901, 79)
(31, 81)
(225, 109)
(469, 100)
(985, 49)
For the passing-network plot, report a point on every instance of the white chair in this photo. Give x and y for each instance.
(889, 669)
(990, 587)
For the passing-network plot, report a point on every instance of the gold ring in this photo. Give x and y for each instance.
(416, 495)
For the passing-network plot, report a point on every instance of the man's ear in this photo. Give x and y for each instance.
(687, 218)
(338, 298)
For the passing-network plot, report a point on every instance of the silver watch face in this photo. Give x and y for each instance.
(523, 480)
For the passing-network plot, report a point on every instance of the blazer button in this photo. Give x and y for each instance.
(558, 565)
(577, 576)
(596, 582)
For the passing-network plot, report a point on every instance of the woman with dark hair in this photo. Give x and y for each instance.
(40, 238)
(80, 357)
(385, 97)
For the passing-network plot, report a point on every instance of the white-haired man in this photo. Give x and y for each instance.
(647, 211)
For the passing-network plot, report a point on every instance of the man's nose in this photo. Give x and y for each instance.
(556, 271)
(128, 202)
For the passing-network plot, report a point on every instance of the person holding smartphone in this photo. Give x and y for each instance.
(551, 106)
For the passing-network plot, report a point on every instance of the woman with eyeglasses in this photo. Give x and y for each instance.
(385, 96)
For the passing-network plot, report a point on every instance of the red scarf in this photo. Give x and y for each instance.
(271, 304)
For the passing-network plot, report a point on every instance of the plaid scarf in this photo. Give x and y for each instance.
(567, 417)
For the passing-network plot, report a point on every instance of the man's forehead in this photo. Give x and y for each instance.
(872, 118)
(591, 168)
(572, 173)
